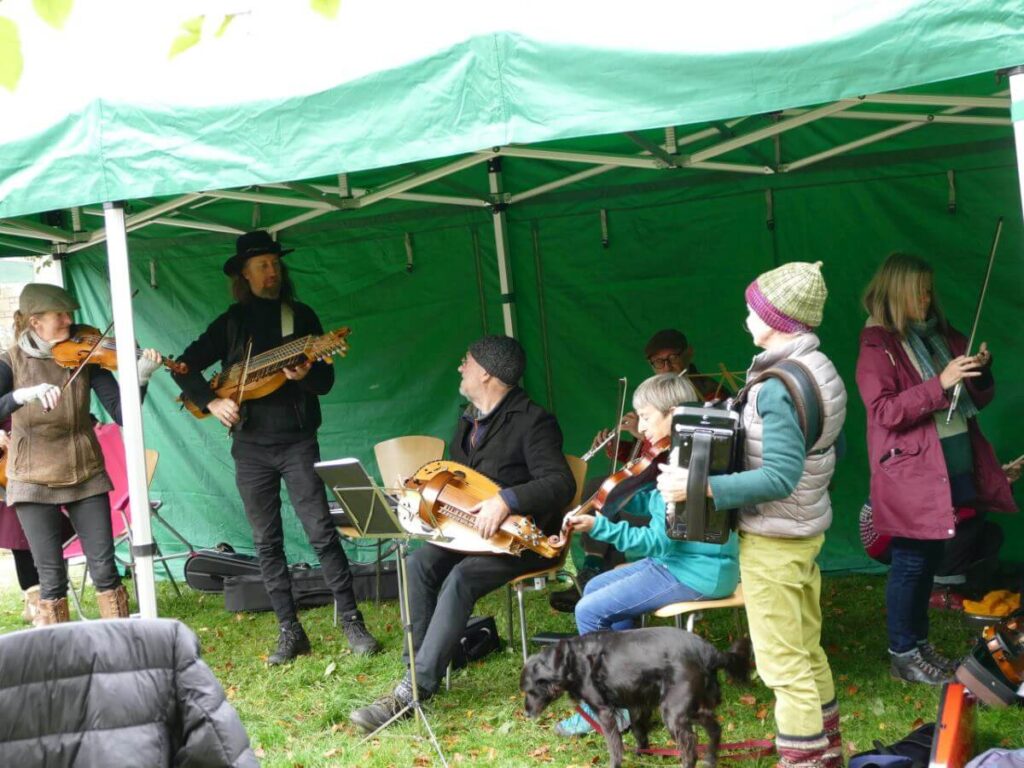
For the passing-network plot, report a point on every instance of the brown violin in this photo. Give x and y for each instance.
(87, 345)
(619, 487)
(443, 493)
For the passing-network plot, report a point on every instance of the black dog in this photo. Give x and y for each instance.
(639, 670)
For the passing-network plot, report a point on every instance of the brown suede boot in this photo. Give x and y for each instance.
(31, 611)
(53, 612)
(113, 603)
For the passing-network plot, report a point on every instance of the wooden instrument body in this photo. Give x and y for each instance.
(619, 487)
(3, 467)
(445, 491)
(266, 371)
(75, 351)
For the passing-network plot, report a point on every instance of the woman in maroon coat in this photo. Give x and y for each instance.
(921, 467)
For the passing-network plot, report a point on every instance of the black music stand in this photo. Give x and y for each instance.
(373, 516)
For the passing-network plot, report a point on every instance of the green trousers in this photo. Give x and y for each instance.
(782, 591)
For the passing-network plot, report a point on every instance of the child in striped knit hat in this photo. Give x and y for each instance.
(784, 512)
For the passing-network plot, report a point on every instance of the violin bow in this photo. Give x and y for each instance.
(954, 401)
(623, 386)
(241, 383)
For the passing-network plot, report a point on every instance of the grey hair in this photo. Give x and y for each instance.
(665, 391)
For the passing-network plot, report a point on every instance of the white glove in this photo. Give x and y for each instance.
(147, 366)
(47, 394)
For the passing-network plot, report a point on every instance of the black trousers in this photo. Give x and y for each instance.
(25, 568)
(443, 588)
(44, 528)
(259, 470)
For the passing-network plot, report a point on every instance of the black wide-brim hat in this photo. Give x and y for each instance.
(252, 244)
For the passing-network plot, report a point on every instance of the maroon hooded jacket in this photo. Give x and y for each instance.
(910, 493)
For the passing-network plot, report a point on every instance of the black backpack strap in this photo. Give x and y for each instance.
(803, 391)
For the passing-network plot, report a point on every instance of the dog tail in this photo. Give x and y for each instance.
(737, 660)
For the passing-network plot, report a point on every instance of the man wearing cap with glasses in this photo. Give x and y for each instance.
(667, 351)
(275, 436)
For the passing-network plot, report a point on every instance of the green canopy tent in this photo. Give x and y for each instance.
(783, 142)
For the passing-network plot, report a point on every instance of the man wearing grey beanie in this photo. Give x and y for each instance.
(505, 436)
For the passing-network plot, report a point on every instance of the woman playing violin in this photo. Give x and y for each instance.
(671, 571)
(55, 459)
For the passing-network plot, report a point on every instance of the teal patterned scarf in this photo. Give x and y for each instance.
(930, 347)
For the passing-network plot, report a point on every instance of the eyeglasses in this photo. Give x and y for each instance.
(666, 362)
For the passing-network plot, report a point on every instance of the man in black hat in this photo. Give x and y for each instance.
(505, 436)
(275, 436)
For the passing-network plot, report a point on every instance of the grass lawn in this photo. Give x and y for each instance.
(297, 716)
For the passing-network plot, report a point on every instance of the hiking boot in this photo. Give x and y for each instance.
(564, 601)
(373, 716)
(113, 603)
(52, 612)
(291, 642)
(359, 638)
(945, 599)
(913, 667)
(936, 659)
(31, 610)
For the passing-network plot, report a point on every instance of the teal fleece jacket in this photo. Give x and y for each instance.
(711, 569)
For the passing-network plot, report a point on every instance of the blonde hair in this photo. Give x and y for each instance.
(21, 323)
(899, 281)
(665, 391)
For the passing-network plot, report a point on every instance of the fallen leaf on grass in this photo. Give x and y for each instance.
(362, 679)
(851, 690)
(762, 713)
(334, 752)
(917, 723)
(337, 727)
(748, 699)
(259, 752)
(421, 760)
(542, 752)
(330, 669)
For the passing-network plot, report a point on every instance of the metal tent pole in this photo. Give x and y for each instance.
(131, 406)
(1017, 116)
(498, 208)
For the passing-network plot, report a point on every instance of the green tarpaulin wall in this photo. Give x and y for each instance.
(681, 250)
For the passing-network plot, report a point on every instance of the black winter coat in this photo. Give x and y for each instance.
(106, 693)
(522, 450)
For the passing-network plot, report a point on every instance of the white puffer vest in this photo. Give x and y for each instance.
(808, 510)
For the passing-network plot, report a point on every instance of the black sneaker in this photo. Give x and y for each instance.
(913, 667)
(373, 716)
(359, 638)
(936, 659)
(564, 601)
(291, 642)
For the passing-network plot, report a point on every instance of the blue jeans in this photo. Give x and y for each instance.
(914, 562)
(615, 598)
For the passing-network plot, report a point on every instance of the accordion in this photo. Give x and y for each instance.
(706, 441)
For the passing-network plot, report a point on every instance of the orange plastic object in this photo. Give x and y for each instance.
(953, 746)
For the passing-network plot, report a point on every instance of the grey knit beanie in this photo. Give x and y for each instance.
(501, 356)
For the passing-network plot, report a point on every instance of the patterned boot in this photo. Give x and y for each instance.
(31, 611)
(801, 751)
(830, 717)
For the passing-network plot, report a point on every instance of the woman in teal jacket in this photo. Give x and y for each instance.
(670, 571)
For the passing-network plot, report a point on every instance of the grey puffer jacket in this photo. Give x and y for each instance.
(105, 693)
